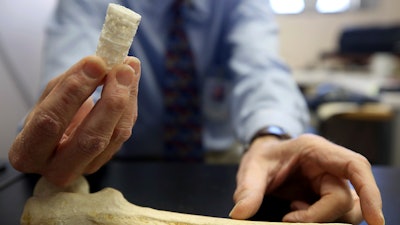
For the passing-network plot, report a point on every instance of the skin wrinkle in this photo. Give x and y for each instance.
(309, 152)
(115, 103)
(92, 143)
(121, 134)
(107, 104)
(107, 155)
(133, 114)
(45, 125)
(72, 90)
(49, 124)
(49, 87)
(71, 81)
(305, 161)
(47, 90)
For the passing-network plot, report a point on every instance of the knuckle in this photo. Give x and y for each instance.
(92, 145)
(48, 124)
(134, 91)
(122, 134)
(359, 160)
(312, 144)
(74, 91)
(115, 103)
(308, 139)
(364, 160)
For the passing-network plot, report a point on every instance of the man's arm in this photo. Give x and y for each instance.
(265, 92)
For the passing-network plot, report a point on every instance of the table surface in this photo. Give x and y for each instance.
(188, 188)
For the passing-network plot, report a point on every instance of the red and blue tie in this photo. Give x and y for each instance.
(182, 116)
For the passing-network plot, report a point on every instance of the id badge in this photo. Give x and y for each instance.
(216, 98)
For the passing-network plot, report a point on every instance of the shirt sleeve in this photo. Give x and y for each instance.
(264, 91)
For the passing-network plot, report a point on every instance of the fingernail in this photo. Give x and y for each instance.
(234, 208)
(133, 65)
(125, 76)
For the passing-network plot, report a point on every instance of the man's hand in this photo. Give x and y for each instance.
(313, 173)
(66, 134)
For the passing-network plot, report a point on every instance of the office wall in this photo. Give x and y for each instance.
(21, 35)
(303, 37)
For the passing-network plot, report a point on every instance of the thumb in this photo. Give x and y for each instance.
(251, 186)
(253, 177)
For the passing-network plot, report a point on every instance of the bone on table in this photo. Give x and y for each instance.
(75, 205)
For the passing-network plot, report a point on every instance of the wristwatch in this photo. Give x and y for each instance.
(276, 131)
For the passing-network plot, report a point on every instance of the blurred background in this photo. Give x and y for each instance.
(344, 54)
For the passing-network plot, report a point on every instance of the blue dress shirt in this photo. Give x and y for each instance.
(245, 86)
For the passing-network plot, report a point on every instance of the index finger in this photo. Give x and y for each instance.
(50, 117)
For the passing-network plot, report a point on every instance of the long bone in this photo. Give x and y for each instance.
(74, 205)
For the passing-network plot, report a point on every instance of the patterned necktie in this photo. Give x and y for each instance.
(182, 117)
